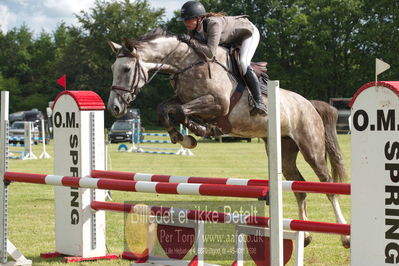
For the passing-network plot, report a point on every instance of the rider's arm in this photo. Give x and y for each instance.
(208, 49)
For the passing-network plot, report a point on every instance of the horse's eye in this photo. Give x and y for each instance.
(127, 69)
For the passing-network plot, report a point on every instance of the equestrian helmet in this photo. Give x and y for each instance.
(191, 9)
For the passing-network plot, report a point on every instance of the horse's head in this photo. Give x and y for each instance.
(134, 59)
(129, 76)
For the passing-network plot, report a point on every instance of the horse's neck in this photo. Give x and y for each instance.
(179, 53)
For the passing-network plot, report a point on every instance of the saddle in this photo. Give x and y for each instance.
(260, 68)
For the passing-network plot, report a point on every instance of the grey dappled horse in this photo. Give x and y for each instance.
(202, 94)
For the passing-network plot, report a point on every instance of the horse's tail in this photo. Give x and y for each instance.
(329, 115)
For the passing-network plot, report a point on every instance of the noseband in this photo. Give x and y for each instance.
(138, 75)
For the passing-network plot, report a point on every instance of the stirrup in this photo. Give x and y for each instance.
(259, 109)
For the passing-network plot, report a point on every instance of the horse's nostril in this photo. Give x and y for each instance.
(116, 109)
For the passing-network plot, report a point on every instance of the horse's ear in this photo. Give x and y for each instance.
(114, 46)
(130, 45)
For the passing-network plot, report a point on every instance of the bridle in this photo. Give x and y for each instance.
(139, 74)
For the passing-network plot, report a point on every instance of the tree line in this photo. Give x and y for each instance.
(318, 48)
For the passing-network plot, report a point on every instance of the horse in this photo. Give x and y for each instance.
(202, 95)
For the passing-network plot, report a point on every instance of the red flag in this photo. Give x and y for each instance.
(62, 81)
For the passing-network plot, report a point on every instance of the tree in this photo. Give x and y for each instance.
(319, 48)
(11, 85)
(378, 38)
(87, 58)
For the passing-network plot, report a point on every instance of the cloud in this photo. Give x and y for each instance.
(41, 22)
(19, 2)
(170, 6)
(66, 7)
(40, 14)
(47, 14)
(6, 17)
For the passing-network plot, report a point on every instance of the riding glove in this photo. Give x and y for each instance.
(184, 38)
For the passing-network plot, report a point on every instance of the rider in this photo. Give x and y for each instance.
(212, 29)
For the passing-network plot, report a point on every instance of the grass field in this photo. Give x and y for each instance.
(31, 207)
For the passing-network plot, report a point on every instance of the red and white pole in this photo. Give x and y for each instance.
(139, 186)
(288, 186)
(222, 217)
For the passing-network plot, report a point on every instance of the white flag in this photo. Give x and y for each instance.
(380, 66)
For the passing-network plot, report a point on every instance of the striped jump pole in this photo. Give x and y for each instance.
(221, 217)
(288, 186)
(155, 134)
(16, 145)
(157, 152)
(156, 141)
(139, 186)
(137, 141)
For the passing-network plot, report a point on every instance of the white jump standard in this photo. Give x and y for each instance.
(375, 174)
(28, 139)
(27, 153)
(7, 248)
(78, 118)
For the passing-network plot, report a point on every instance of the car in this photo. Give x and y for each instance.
(17, 132)
(343, 121)
(131, 114)
(344, 112)
(34, 116)
(121, 131)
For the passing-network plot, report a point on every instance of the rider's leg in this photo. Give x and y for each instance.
(253, 84)
(247, 51)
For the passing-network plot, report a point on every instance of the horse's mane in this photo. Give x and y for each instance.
(155, 34)
(149, 36)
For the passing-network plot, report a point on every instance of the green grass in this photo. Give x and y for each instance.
(31, 207)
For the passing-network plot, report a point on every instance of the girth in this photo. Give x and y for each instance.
(260, 70)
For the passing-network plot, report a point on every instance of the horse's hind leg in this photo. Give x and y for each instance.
(291, 172)
(313, 151)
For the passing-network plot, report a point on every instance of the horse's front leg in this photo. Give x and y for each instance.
(170, 113)
(206, 107)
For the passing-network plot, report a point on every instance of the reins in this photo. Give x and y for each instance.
(175, 76)
(139, 74)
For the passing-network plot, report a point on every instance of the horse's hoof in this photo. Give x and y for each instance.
(307, 240)
(189, 142)
(175, 137)
(346, 242)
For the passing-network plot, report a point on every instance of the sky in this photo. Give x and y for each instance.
(45, 15)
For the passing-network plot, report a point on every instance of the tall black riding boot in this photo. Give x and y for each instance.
(253, 84)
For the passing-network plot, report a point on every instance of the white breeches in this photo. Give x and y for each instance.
(248, 48)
